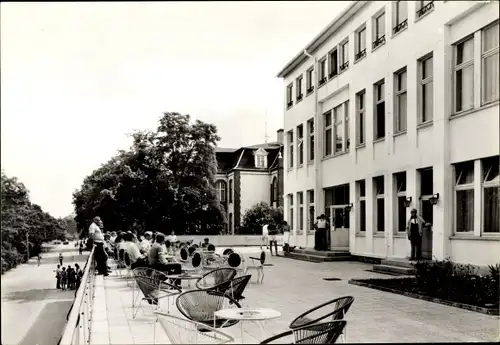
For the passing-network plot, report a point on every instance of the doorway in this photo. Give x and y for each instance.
(336, 201)
(426, 210)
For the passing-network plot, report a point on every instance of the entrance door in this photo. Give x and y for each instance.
(338, 217)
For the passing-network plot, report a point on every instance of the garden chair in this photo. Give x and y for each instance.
(184, 331)
(237, 261)
(153, 286)
(128, 275)
(335, 310)
(191, 250)
(184, 255)
(227, 251)
(258, 265)
(236, 287)
(215, 277)
(200, 306)
(319, 333)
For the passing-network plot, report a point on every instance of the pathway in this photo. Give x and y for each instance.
(33, 310)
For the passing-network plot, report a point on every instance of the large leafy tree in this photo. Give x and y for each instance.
(21, 219)
(164, 182)
(259, 215)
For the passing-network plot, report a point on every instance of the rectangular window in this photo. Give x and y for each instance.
(309, 80)
(464, 75)
(300, 218)
(491, 195)
(290, 212)
(401, 105)
(360, 117)
(464, 194)
(344, 55)
(378, 30)
(490, 64)
(300, 144)
(298, 88)
(360, 44)
(290, 149)
(378, 183)
(230, 191)
(362, 204)
(289, 95)
(400, 179)
(426, 92)
(310, 196)
(379, 120)
(310, 131)
(401, 12)
(338, 122)
(333, 63)
(424, 7)
(346, 127)
(328, 133)
(322, 71)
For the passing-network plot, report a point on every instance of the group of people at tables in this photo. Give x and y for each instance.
(154, 250)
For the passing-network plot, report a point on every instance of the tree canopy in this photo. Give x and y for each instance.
(20, 217)
(259, 215)
(164, 182)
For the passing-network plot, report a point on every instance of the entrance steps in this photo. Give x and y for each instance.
(395, 266)
(311, 255)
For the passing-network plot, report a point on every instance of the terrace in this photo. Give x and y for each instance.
(290, 287)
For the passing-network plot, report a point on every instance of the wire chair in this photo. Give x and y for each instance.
(215, 277)
(258, 265)
(200, 306)
(184, 331)
(153, 287)
(319, 333)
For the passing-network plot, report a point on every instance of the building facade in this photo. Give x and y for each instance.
(247, 176)
(394, 106)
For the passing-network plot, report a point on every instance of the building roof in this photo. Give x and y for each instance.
(222, 149)
(243, 158)
(325, 34)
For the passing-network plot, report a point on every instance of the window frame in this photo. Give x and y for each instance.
(460, 67)
(361, 186)
(344, 50)
(463, 187)
(333, 73)
(289, 95)
(375, 113)
(221, 188)
(358, 52)
(310, 140)
(309, 80)
(310, 203)
(484, 55)
(485, 185)
(300, 144)
(298, 88)
(379, 38)
(290, 138)
(290, 211)
(300, 211)
(338, 110)
(399, 24)
(377, 197)
(328, 129)
(400, 194)
(423, 82)
(230, 193)
(361, 118)
(398, 93)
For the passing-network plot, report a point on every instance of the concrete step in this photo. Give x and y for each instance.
(318, 258)
(397, 262)
(393, 269)
(330, 253)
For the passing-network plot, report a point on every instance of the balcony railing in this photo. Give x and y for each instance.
(332, 74)
(322, 81)
(400, 26)
(310, 89)
(425, 9)
(299, 98)
(361, 54)
(344, 66)
(378, 42)
(77, 330)
(289, 104)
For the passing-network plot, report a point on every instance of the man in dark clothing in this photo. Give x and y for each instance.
(320, 237)
(157, 259)
(60, 259)
(414, 230)
(272, 238)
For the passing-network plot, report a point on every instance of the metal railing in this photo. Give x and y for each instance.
(77, 330)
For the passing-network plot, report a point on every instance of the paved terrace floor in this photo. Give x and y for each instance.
(293, 287)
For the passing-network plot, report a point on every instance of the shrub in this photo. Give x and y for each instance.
(259, 215)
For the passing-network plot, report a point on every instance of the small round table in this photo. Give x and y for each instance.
(257, 315)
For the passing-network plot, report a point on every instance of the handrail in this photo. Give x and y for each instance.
(77, 329)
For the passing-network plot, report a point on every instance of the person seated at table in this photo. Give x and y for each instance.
(158, 261)
(136, 258)
(172, 238)
(145, 244)
(206, 243)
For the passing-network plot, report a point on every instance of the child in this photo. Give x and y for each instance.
(64, 278)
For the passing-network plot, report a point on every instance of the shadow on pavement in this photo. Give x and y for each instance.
(48, 327)
(39, 295)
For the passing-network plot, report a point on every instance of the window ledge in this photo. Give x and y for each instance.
(331, 77)
(400, 234)
(288, 107)
(379, 140)
(309, 93)
(400, 31)
(397, 134)
(473, 110)
(379, 234)
(300, 166)
(361, 234)
(310, 162)
(360, 146)
(423, 15)
(335, 155)
(425, 124)
(361, 58)
(377, 47)
(289, 169)
(492, 237)
(297, 101)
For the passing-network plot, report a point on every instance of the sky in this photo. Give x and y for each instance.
(77, 77)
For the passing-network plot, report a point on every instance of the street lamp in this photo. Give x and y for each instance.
(407, 201)
(434, 199)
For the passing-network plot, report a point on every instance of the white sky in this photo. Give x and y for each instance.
(76, 77)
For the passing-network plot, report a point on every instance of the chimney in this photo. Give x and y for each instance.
(280, 136)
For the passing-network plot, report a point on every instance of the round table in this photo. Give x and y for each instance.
(184, 276)
(257, 315)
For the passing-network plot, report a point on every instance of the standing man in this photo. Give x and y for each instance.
(273, 231)
(414, 230)
(60, 259)
(97, 237)
(321, 227)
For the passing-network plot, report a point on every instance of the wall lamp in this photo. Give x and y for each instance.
(348, 208)
(408, 201)
(434, 199)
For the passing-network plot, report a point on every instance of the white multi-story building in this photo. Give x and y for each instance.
(393, 106)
